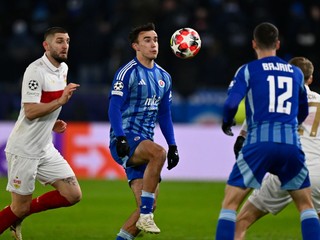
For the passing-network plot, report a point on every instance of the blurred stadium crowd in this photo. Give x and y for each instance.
(99, 45)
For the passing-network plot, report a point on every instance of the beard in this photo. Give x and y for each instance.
(58, 58)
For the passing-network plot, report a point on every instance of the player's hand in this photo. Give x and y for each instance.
(59, 126)
(173, 156)
(226, 127)
(238, 145)
(123, 148)
(67, 93)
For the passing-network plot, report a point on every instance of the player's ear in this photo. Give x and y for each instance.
(45, 45)
(254, 44)
(310, 80)
(277, 45)
(135, 46)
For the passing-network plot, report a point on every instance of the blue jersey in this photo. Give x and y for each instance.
(139, 97)
(275, 96)
(275, 101)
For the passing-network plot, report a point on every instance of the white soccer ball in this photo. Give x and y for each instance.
(185, 43)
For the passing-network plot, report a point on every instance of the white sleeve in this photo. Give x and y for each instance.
(31, 86)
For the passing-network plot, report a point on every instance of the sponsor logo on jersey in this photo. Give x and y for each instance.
(36, 94)
(119, 93)
(142, 82)
(152, 103)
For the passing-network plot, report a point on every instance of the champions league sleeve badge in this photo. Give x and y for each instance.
(117, 88)
(33, 85)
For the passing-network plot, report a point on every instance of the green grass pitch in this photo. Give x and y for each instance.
(185, 211)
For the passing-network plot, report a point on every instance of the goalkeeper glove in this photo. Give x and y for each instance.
(238, 145)
(226, 127)
(173, 156)
(123, 148)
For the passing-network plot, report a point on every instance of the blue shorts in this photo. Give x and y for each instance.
(284, 160)
(132, 172)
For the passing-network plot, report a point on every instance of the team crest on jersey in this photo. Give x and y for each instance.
(118, 86)
(33, 85)
(137, 138)
(161, 83)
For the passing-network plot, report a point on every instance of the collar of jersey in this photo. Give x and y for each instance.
(49, 64)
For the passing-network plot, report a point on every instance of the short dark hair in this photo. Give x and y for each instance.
(53, 30)
(266, 35)
(133, 35)
(304, 64)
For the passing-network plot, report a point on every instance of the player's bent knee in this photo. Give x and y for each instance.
(162, 155)
(158, 156)
(75, 198)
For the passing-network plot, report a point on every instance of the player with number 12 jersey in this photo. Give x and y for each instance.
(272, 97)
(275, 96)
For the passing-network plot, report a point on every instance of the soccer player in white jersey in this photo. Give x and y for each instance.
(30, 152)
(270, 198)
(140, 96)
(275, 103)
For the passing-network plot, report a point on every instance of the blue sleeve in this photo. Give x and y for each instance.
(115, 117)
(230, 107)
(236, 93)
(165, 119)
(118, 94)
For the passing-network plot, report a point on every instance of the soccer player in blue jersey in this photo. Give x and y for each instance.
(275, 103)
(140, 97)
(270, 198)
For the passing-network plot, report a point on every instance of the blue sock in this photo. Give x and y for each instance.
(124, 235)
(310, 226)
(226, 225)
(147, 200)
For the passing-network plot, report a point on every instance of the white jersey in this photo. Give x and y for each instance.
(310, 133)
(42, 83)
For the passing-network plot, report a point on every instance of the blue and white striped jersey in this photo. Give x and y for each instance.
(275, 100)
(142, 94)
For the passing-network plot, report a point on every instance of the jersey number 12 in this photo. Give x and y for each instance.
(279, 103)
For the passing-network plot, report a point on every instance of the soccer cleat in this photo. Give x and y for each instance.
(147, 224)
(15, 230)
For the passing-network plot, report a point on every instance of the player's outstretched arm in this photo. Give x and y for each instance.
(36, 110)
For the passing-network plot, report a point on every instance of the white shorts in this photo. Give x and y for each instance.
(270, 198)
(22, 172)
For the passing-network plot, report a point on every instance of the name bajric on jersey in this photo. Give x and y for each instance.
(277, 67)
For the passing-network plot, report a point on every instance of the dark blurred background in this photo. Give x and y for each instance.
(99, 28)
